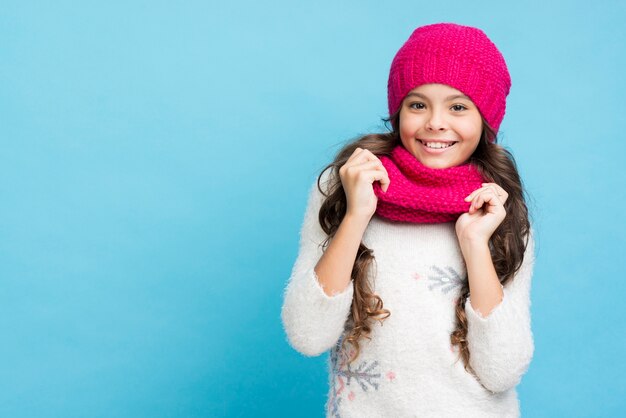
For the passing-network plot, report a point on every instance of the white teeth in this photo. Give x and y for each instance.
(437, 144)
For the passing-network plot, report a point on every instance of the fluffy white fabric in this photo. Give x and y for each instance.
(409, 368)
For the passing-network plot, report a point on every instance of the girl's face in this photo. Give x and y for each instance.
(439, 115)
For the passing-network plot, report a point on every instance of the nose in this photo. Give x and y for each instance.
(436, 122)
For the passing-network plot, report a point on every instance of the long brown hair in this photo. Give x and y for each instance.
(507, 244)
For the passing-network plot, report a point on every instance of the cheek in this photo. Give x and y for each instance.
(405, 130)
(471, 131)
(408, 127)
(405, 133)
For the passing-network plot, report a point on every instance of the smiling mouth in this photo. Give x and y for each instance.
(437, 145)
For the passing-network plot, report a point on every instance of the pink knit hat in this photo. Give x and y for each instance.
(462, 57)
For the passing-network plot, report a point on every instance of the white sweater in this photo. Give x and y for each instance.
(409, 368)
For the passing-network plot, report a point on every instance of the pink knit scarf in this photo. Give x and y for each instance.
(421, 194)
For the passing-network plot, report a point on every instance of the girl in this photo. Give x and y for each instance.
(416, 255)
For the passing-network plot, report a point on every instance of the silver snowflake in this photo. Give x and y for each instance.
(445, 280)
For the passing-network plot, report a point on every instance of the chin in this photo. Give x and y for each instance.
(439, 166)
(436, 164)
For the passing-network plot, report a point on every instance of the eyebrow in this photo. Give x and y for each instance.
(452, 97)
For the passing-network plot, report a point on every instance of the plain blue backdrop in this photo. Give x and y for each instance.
(154, 163)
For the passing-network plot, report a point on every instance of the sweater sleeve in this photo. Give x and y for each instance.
(501, 344)
(313, 320)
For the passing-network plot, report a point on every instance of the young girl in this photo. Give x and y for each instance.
(416, 252)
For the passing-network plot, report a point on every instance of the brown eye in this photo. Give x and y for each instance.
(417, 105)
(458, 107)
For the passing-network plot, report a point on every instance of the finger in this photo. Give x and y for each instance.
(369, 164)
(358, 156)
(385, 182)
(502, 194)
(366, 157)
(492, 203)
(494, 187)
(473, 194)
(491, 190)
(485, 198)
(362, 154)
(497, 190)
(375, 175)
(476, 201)
(356, 152)
(357, 166)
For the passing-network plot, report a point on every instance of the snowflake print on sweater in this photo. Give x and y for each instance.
(364, 375)
(417, 274)
(445, 280)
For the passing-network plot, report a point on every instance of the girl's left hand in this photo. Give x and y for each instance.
(477, 225)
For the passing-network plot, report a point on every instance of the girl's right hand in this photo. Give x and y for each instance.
(357, 175)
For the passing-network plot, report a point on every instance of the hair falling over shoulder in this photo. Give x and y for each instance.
(507, 244)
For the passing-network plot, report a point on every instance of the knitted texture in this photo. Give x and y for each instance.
(462, 57)
(421, 194)
(408, 367)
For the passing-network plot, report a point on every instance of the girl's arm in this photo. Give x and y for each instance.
(334, 269)
(485, 288)
(500, 341)
(313, 314)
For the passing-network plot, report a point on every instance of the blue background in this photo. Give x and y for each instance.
(155, 159)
